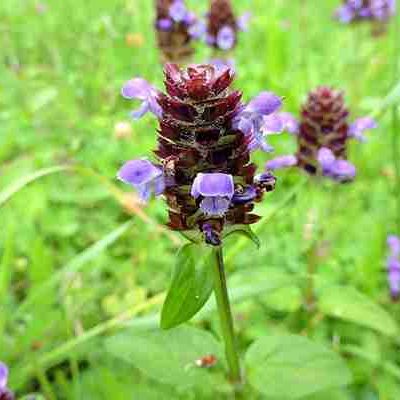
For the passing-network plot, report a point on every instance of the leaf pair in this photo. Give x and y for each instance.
(280, 367)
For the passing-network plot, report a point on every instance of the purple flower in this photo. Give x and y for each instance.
(178, 11)
(145, 177)
(359, 126)
(345, 14)
(226, 38)
(393, 266)
(326, 159)
(264, 104)
(197, 30)
(337, 169)
(257, 121)
(216, 190)
(5, 393)
(342, 171)
(245, 196)
(281, 162)
(3, 376)
(140, 89)
(394, 245)
(289, 122)
(222, 64)
(165, 24)
(243, 21)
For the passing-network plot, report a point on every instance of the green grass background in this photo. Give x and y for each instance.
(70, 260)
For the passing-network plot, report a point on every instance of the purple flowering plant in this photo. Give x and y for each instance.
(323, 133)
(370, 10)
(203, 170)
(176, 28)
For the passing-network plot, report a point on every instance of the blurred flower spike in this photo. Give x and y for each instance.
(322, 136)
(358, 10)
(5, 393)
(223, 26)
(203, 166)
(176, 27)
(393, 266)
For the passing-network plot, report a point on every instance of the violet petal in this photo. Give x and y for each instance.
(264, 104)
(281, 162)
(3, 375)
(359, 126)
(212, 185)
(136, 88)
(326, 158)
(178, 11)
(394, 245)
(215, 205)
(138, 172)
(226, 38)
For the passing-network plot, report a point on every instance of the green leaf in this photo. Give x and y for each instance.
(347, 303)
(245, 231)
(191, 286)
(291, 367)
(168, 356)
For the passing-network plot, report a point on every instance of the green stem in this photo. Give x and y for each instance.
(395, 118)
(225, 315)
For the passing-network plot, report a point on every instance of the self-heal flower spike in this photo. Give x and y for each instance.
(358, 10)
(322, 136)
(5, 393)
(393, 266)
(223, 26)
(176, 26)
(209, 182)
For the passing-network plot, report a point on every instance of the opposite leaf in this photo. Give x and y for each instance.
(191, 286)
(170, 356)
(347, 303)
(292, 367)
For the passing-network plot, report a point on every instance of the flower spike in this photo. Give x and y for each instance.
(322, 136)
(176, 27)
(204, 141)
(223, 26)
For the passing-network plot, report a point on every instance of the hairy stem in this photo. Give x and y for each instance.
(225, 315)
